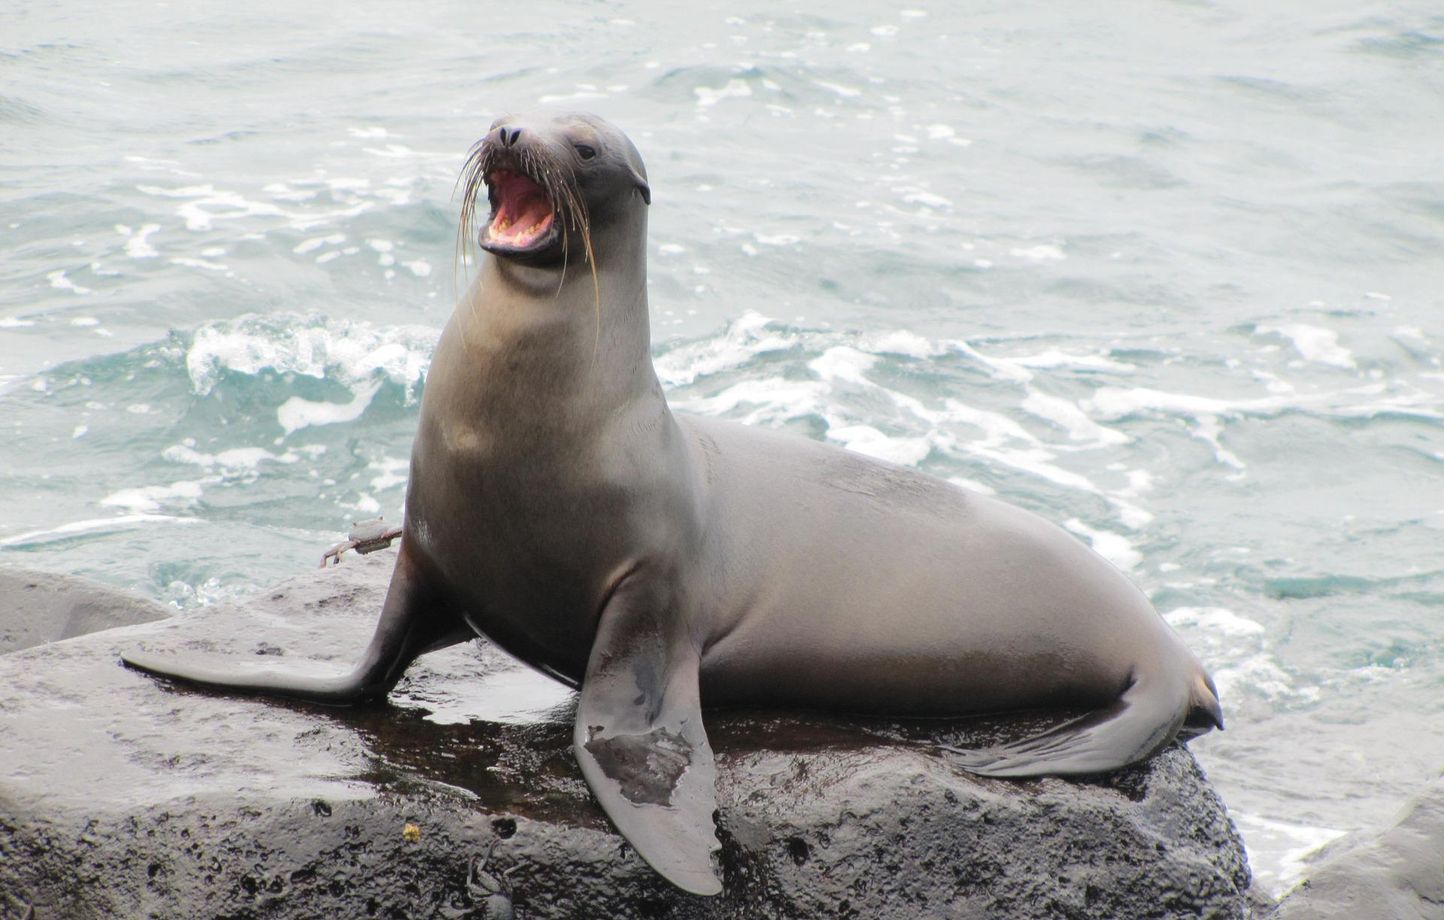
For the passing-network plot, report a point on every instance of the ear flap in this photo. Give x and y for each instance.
(642, 186)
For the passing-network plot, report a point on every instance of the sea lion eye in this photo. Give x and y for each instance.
(585, 152)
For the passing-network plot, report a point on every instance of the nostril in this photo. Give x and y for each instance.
(509, 136)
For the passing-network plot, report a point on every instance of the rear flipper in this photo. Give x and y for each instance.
(410, 625)
(1147, 716)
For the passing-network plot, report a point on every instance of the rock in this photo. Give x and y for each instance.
(1398, 873)
(38, 607)
(124, 796)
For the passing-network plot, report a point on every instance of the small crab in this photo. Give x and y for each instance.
(365, 537)
(492, 890)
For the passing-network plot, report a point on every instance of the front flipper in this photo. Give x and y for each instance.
(639, 735)
(411, 623)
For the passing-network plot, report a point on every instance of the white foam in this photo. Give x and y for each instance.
(394, 152)
(1114, 547)
(137, 243)
(282, 192)
(1260, 675)
(231, 462)
(1001, 368)
(733, 89)
(1035, 463)
(1289, 844)
(774, 400)
(843, 362)
(346, 350)
(1117, 403)
(1139, 482)
(995, 426)
(846, 359)
(1054, 358)
(225, 205)
(903, 342)
(746, 337)
(366, 504)
(316, 242)
(865, 439)
(1219, 620)
(913, 195)
(1273, 383)
(554, 98)
(775, 239)
(391, 472)
(200, 263)
(972, 485)
(58, 280)
(1043, 252)
(297, 413)
(1314, 343)
(151, 499)
(1068, 416)
(1204, 413)
(384, 258)
(94, 525)
(847, 92)
(1033, 458)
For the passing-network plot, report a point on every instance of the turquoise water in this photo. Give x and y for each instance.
(1171, 275)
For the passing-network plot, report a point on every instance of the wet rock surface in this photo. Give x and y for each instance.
(125, 796)
(38, 607)
(1397, 873)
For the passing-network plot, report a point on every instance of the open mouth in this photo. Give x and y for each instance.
(523, 218)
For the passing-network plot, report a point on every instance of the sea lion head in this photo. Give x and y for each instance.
(552, 181)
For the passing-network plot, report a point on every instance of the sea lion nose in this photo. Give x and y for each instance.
(508, 136)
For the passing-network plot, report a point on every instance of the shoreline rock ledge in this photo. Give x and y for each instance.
(122, 796)
(1397, 872)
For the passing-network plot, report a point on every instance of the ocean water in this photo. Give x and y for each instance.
(1169, 274)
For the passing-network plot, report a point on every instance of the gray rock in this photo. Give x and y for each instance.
(124, 796)
(1397, 873)
(38, 607)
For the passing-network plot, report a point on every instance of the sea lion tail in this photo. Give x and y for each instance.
(1157, 703)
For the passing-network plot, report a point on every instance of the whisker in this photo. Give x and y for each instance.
(569, 208)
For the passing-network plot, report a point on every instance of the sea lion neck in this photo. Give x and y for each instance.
(552, 335)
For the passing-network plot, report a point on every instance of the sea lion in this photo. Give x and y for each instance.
(559, 508)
